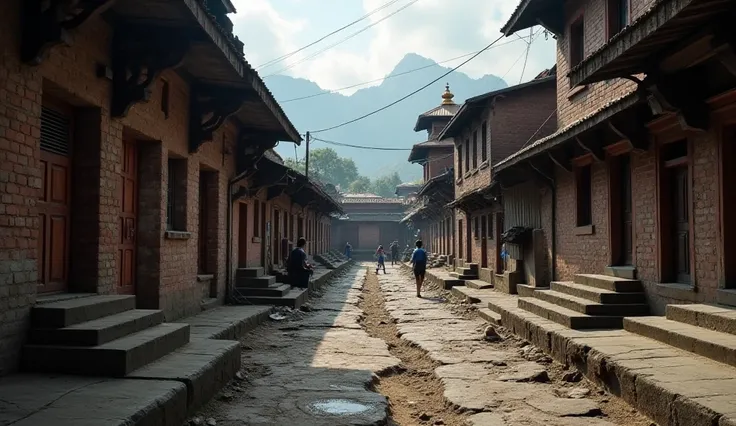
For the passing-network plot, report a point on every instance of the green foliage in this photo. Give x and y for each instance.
(328, 167)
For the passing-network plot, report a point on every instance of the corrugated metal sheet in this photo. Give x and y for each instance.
(522, 206)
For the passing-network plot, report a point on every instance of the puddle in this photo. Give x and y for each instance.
(338, 407)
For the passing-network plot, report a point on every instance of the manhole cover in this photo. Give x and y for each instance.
(339, 407)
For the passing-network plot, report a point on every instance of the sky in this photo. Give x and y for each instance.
(436, 29)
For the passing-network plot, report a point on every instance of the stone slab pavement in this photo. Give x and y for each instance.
(501, 383)
(315, 370)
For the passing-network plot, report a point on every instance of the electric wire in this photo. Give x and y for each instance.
(319, 52)
(410, 94)
(290, 54)
(375, 148)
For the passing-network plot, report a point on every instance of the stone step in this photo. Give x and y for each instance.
(117, 358)
(621, 271)
(607, 282)
(449, 283)
(98, 331)
(255, 282)
(598, 295)
(467, 277)
(279, 290)
(74, 311)
(567, 317)
(712, 317)
(253, 272)
(293, 299)
(490, 316)
(478, 284)
(715, 345)
(471, 266)
(467, 271)
(588, 307)
(204, 365)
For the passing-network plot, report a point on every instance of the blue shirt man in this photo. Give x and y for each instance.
(419, 263)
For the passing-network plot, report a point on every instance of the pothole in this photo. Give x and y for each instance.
(338, 407)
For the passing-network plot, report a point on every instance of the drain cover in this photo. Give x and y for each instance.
(339, 407)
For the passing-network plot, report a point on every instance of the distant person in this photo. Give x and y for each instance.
(348, 251)
(419, 265)
(394, 252)
(381, 257)
(298, 268)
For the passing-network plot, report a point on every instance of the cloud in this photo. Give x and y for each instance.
(436, 29)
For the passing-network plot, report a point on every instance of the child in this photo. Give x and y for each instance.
(419, 265)
(381, 255)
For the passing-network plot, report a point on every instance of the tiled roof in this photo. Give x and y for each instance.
(564, 133)
(370, 200)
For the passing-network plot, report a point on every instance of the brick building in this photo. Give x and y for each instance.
(429, 214)
(368, 220)
(487, 129)
(124, 128)
(635, 179)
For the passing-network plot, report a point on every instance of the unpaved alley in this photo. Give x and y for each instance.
(369, 352)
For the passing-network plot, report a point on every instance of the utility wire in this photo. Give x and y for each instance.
(319, 52)
(410, 94)
(540, 128)
(375, 148)
(290, 54)
(327, 92)
(526, 58)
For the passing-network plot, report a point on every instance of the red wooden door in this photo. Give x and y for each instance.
(128, 196)
(54, 208)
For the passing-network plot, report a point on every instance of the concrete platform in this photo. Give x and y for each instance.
(672, 386)
(226, 322)
(77, 310)
(40, 400)
(712, 317)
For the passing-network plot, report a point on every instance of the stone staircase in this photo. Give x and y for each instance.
(330, 259)
(467, 272)
(706, 330)
(254, 287)
(98, 335)
(591, 301)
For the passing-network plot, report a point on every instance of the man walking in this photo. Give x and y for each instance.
(348, 250)
(419, 265)
(298, 268)
(394, 252)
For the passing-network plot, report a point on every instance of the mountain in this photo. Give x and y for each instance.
(392, 127)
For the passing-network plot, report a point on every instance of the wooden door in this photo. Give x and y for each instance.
(54, 208)
(681, 224)
(276, 237)
(243, 235)
(469, 239)
(483, 242)
(128, 196)
(499, 243)
(460, 246)
(626, 238)
(203, 219)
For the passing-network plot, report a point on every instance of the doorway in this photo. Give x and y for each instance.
(128, 196)
(468, 240)
(276, 233)
(483, 241)
(460, 247)
(499, 244)
(243, 235)
(54, 203)
(728, 203)
(621, 213)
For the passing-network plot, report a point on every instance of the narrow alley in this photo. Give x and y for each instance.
(368, 352)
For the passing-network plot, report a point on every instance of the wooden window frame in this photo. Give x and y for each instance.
(584, 206)
(460, 158)
(611, 24)
(467, 155)
(573, 47)
(484, 142)
(475, 149)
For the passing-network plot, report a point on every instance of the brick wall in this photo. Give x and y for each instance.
(439, 160)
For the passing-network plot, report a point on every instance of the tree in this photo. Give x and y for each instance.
(360, 185)
(328, 167)
(385, 186)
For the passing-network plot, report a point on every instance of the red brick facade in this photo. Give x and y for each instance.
(143, 212)
(701, 273)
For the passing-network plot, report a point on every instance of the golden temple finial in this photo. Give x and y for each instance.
(447, 96)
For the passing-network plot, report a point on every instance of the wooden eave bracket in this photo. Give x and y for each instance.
(672, 94)
(45, 24)
(210, 108)
(560, 160)
(596, 151)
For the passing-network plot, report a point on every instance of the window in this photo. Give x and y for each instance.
(484, 142)
(176, 206)
(165, 98)
(460, 158)
(476, 227)
(256, 219)
(583, 196)
(475, 149)
(617, 13)
(577, 42)
(467, 155)
(490, 226)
